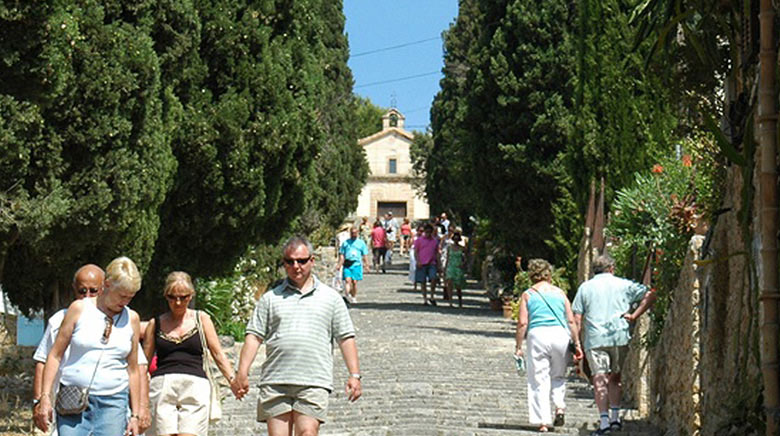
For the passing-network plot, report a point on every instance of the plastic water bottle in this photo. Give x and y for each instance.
(519, 363)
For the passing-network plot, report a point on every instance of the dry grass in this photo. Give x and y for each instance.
(15, 416)
(16, 374)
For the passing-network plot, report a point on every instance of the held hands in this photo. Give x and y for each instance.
(42, 414)
(354, 389)
(132, 426)
(144, 419)
(240, 385)
(579, 354)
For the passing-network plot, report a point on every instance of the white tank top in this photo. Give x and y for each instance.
(85, 348)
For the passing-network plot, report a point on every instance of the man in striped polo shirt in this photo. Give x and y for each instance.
(298, 321)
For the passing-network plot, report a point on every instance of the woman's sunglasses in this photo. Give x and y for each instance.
(178, 298)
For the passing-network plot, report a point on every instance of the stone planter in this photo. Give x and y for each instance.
(507, 308)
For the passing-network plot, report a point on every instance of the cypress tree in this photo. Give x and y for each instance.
(95, 83)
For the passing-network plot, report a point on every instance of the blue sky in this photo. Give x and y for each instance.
(376, 25)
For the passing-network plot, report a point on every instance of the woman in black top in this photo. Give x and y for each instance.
(179, 389)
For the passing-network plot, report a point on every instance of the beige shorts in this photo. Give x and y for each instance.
(277, 400)
(606, 360)
(179, 403)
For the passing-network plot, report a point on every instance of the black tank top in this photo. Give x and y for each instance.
(178, 355)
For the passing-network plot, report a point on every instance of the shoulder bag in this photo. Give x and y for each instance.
(215, 400)
(572, 347)
(72, 400)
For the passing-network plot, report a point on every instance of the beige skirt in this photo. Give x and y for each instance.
(179, 403)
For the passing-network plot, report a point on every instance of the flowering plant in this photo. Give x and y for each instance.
(658, 214)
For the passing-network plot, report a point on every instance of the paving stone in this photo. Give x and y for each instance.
(427, 371)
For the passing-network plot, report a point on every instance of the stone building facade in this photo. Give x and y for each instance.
(390, 181)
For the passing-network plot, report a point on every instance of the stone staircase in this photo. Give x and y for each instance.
(429, 371)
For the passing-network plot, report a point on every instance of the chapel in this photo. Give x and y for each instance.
(389, 187)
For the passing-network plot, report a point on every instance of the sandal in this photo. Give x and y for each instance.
(616, 425)
(543, 429)
(559, 418)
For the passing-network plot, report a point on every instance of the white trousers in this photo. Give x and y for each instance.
(546, 363)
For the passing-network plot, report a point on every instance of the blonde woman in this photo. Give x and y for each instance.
(102, 334)
(543, 309)
(179, 390)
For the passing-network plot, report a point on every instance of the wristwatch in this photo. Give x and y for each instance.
(357, 376)
(35, 402)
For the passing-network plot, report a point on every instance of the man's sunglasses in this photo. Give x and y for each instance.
(91, 291)
(292, 262)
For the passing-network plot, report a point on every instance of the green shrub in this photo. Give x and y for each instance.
(660, 212)
(230, 300)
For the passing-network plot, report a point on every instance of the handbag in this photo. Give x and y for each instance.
(572, 347)
(72, 400)
(215, 400)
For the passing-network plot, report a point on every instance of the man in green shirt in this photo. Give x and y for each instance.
(603, 305)
(298, 322)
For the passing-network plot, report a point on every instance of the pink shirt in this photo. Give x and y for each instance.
(378, 237)
(425, 250)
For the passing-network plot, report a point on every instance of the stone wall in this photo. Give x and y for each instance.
(703, 377)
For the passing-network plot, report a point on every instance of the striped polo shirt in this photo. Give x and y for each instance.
(298, 331)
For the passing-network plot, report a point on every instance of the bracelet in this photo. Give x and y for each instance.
(134, 416)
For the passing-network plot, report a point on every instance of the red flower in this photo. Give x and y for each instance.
(686, 160)
(658, 169)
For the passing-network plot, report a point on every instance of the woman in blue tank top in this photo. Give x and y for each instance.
(546, 317)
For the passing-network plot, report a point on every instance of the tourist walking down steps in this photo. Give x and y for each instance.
(298, 321)
(353, 254)
(103, 335)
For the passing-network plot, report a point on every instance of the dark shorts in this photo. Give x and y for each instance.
(425, 273)
(380, 251)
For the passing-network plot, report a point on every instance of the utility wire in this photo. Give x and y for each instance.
(379, 50)
(400, 79)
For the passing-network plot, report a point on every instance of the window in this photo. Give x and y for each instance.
(393, 166)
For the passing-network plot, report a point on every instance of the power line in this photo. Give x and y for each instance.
(393, 47)
(400, 79)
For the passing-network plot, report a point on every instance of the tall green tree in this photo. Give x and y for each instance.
(340, 168)
(266, 133)
(500, 119)
(93, 85)
(625, 118)
(369, 116)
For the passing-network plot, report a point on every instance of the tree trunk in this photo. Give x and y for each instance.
(767, 220)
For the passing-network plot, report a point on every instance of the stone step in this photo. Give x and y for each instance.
(428, 371)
